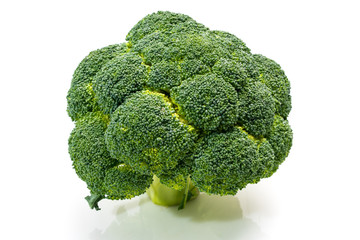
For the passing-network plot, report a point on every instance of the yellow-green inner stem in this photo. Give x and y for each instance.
(165, 196)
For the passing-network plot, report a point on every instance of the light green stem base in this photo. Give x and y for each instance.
(165, 196)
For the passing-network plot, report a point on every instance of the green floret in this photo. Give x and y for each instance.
(148, 135)
(88, 151)
(80, 97)
(266, 156)
(81, 100)
(190, 68)
(275, 79)
(152, 48)
(207, 102)
(232, 71)
(164, 76)
(280, 139)
(178, 46)
(122, 182)
(117, 79)
(256, 109)
(177, 177)
(163, 21)
(231, 41)
(203, 46)
(227, 162)
(248, 62)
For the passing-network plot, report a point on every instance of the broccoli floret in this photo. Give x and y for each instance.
(175, 110)
(183, 45)
(147, 134)
(280, 139)
(81, 97)
(163, 21)
(122, 182)
(88, 150)
(248, 62)
(207, 102)
(226, 162)
(232, 42)
(256, 109)
(164, 76)
(192, 67)
(275, 79)
(117, 79)
(232, 71)
(106, 177)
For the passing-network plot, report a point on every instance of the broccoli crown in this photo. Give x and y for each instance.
(177, 100)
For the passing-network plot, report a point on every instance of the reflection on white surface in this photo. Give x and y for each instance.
(208, 217)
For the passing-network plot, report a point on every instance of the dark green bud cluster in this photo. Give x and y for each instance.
(207, 102)
(177, 101)
(81, 97)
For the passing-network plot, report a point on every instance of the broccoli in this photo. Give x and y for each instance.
(177, 110)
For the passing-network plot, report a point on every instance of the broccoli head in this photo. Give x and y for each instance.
(176, 110)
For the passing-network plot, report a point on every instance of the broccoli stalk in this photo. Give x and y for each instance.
(162, 195)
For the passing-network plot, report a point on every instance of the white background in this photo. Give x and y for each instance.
(314, 194)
